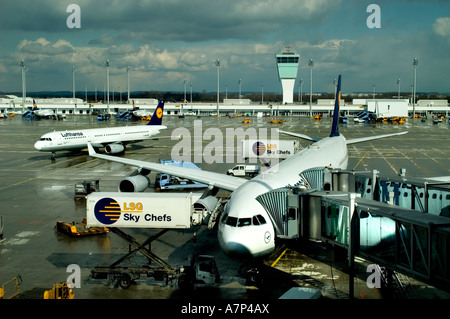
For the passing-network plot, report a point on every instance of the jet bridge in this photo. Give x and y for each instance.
(399, 223)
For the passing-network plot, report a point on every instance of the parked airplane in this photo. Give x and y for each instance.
(37, 113)
(135, 114)
(113, 139)
(245, 230)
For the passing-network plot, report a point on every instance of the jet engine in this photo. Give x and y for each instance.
(114, 148)
(132, 184)
(136, 182)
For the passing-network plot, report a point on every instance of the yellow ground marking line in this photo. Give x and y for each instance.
(360, 160)
(275, 262)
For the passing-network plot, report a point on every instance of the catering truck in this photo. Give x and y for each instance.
(162, 211)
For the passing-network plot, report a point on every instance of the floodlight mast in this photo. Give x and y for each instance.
(24, 84)
(300, 87)
(218, 71)
(240, 88)
(415, 63)
(128, 83)
(73, 82)
(311, 64)
(184, 84)
(107, 84)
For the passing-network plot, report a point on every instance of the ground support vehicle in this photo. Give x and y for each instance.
(202, 271)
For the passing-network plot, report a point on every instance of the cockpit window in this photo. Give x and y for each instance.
(244, 222)
(45, 139)
(224, 218)
(261, 219)
(232, 221)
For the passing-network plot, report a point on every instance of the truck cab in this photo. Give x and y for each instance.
(202, 272)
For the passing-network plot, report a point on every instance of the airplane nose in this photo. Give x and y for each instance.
(236, 250)
(234, 245)
(38, 145)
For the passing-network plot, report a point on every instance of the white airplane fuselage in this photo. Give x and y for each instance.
(241, 233)
(78, 139)
(245, 230)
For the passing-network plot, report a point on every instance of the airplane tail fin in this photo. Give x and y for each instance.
(335, 126)
(157, 115)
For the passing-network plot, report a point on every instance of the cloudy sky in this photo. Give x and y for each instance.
(166, 41)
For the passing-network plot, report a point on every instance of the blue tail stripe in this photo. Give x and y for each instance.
(157, 115)
(334, 127)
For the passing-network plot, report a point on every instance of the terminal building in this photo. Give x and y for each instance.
(287, 63)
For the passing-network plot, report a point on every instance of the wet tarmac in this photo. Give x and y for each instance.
(35, 193)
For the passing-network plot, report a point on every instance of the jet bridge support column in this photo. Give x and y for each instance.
(352, 242)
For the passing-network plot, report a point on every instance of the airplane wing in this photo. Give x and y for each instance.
(369, 138)
(352, 141)
(211, 178)
(302, 136)
(439, 179)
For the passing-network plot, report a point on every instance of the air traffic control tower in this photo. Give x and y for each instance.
(287, 63)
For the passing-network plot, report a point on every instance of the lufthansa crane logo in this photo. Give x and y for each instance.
(267, 237)
(259, 148)
(159, 112)
(107, 211)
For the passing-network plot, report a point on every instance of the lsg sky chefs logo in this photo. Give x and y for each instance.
(107, 211)
(221, 149)
(259, 148)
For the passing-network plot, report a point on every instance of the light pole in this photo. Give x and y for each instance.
(311, 64)
(218, 72)
(398, 83)
(107, 84)
(240, 87)
(24, 84)
(128, 83)
(415, 62)
(335, 88)
(184, 84)
(73, 82)
(262, 94)
(300, 86)
(373, 91)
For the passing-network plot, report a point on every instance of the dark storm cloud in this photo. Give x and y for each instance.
(40, 16)
(180, 20)
(167, 41)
